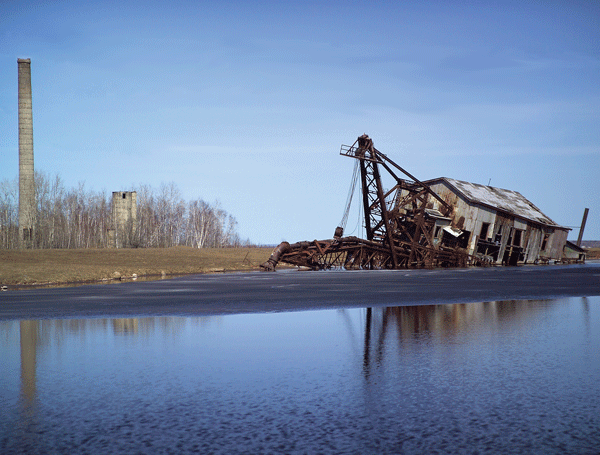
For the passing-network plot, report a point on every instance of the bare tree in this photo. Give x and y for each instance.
(9, 213)
(80, 218)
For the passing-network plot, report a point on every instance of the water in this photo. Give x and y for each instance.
(496, 377)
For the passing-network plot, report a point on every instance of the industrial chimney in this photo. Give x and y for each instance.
(26, 175)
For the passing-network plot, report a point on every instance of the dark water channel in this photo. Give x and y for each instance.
(495, 377)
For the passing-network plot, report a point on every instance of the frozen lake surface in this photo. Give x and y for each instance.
(519, 376)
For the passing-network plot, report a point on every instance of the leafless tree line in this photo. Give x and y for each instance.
(81, 218)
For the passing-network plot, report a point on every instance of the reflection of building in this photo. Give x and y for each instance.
(125, 326)
(405, 326)
(26, 337)
(124, 218)
(497, 225)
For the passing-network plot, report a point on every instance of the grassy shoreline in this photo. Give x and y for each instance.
(64, 267)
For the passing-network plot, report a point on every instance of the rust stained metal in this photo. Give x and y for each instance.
(400, 230)
(435, 223)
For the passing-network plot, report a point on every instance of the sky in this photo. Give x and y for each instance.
(246, 103)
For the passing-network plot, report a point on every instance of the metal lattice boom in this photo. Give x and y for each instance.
(400, 231)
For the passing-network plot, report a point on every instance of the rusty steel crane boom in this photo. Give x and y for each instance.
(400, 229)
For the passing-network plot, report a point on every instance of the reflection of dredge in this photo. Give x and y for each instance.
(401, 231)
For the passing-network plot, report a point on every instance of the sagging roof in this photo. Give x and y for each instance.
(574, 247)
(508, 201)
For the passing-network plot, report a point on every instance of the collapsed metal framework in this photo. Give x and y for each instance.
(400, 229)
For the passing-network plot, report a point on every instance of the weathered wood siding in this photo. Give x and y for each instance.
(470, 217)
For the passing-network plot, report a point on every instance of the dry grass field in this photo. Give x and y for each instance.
(43, 267)
(39, 267)
(593, 253)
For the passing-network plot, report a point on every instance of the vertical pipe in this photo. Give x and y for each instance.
(583, 221)
(26, 172)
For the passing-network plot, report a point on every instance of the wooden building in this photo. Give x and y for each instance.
(496, 225)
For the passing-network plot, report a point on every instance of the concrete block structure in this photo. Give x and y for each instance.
(27, 204)
(124, 219)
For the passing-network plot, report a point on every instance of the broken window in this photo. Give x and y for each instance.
(484, 230)
(498, 236)
(464, 239)
(545, 241)
(517, 237)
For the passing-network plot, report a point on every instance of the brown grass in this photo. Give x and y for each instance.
(85, 265)
(41, 267)
(593, 253)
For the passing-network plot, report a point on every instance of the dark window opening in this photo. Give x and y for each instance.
(498, 237)
(489, 249)
(544, 242)
(484, 230)
(462, 241)
(124, 195)
(517, 237)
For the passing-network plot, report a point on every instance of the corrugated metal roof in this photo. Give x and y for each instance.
(508, 201)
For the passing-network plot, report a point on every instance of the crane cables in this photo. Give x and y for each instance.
(350, 194)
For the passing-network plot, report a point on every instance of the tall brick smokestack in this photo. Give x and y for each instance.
(26, 174)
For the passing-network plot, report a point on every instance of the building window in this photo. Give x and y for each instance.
(498, 238)
(517, 237)
(484, 231)
(545, 241)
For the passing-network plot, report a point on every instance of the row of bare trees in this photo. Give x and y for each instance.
(81, 218)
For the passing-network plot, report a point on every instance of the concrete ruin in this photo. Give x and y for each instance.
(124, 220)
(27, 204)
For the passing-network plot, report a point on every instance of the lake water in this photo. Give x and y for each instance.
(495, 377)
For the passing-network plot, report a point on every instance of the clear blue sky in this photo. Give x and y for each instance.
(248, 102)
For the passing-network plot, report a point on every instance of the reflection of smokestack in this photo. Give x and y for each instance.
(26, 183)
(29, 336)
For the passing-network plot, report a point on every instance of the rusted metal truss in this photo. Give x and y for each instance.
(400, 230)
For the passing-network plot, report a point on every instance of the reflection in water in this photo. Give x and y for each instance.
(367, 350)
(404, 325)
(411, 379)
(412, 325)
(127, 326)
(44, 332)
(38, 334)
(586, 315)
(29, 340)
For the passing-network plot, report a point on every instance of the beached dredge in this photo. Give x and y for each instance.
(424, 224)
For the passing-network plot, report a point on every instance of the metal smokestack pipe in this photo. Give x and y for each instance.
(26, 173)
(583, 221)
